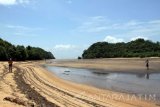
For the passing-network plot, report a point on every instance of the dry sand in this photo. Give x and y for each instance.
(32, 85)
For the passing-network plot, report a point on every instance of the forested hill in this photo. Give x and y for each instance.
(137, 48)
(21, 53)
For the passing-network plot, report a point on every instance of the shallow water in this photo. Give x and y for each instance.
(144, 84)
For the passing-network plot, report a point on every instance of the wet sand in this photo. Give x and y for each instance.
(132, 65)
(135, 83)
(36, 86)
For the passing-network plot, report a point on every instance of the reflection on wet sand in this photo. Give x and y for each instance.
(143, 75)
(138, 83)
(147, 75)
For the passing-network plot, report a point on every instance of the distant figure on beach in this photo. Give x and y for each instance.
(147, 64)
(10, 62)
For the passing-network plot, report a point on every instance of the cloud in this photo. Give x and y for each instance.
(13, 2)
(23, 27)
(64, 47)
(19, 30)
(69, 1)
(112, 39)
(93, 24)
(7, 2)
(17, 27)
(138, 27)
(128, 29)
(137, 37)
(62, 51)
(23, 1)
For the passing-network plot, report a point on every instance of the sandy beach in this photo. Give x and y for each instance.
(32, 85)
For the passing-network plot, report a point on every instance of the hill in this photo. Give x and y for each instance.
(21, 53)
(136, 48)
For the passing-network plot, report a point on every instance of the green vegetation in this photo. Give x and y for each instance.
(20, 53)
(138, 48)
(79, 57)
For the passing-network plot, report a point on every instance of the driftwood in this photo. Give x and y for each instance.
(19, 101)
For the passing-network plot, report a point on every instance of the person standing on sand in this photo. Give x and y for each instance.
(10, 62)
(147, 64)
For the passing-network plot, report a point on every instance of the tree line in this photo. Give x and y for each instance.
(21, 53)
(137, 48)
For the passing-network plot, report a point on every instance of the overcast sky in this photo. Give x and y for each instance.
(67, 27)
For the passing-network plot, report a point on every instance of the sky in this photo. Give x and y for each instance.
(68, 27)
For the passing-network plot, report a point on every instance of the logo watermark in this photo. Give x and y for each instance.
(123, 97)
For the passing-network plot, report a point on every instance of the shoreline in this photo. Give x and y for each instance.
(59, 92)
(107, 72)
(122, 65)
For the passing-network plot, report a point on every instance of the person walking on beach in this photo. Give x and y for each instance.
(147, 64)
(10, 62)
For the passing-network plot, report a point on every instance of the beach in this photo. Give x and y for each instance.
(31, 85)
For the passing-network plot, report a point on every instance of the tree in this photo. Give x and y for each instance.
(137, 48)
(79, 57)
(49, 55)
(12, 52)
(21, 53)
(3, 54)
(35, 53)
